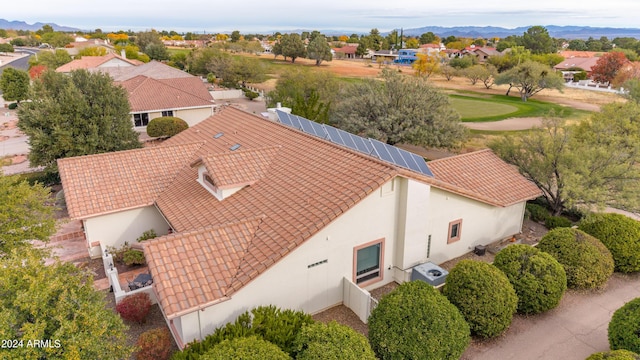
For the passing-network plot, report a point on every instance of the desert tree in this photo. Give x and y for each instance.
(14, 84)
(399, 109)
(319, 50)
(77, 114)
(530, 78)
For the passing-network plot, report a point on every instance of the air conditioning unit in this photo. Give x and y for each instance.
(430, 273)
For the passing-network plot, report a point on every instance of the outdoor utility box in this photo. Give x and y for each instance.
(430, 273)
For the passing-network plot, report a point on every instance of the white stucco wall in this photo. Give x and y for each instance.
(291, 284)
(481, 224)
(115, 229)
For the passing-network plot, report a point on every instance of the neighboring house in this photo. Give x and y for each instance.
(406, 56)
(97, 62)
(186, 98)
(432, 49)
(484, 52)
(156, 90)
(254, 212)
(569, 65)
(346, 52)
(385, 56)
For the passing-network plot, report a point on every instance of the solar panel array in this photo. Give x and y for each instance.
(375, 148)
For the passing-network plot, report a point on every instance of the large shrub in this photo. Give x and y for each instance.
(484, 296)
(249, 348)
(166, 126)
(280, 327)
(415, 321)
(537, 213)
(538, 279)
(553, 222)
(135, 307)
(614, 355)
(332, 341)
(586, 261)
(133, 257)
(623, 327)
(154, 345)
(620, 234)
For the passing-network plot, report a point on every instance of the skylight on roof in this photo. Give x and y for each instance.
(218, 135)
(234, 147)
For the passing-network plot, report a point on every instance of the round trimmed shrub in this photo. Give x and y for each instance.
(553, 222)
(135, 308)
(623, 327)
(586, 261)
(415, 321)
(538, 279)
(166, 126)
(154, 345)
(245, 348)
(620, 234)
(614, 355)
(484, 296)
(332, 341)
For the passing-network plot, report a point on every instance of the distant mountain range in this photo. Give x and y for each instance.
(21, 25)
(564, 32)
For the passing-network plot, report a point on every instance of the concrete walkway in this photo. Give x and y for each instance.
(574, 330)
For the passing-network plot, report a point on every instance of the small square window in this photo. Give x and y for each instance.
(455, 231)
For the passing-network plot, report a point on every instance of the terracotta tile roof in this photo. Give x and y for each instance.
(153, 69)
(303, 184)
(110, 182)
(91, 62)
(203, 264)
(239, 167)
(485, 174)
(193, 85)
(584, 63)
(146, 94)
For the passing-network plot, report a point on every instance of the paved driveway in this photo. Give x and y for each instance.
(574, 330)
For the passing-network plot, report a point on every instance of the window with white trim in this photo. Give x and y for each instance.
(141, 119)
(167, 113)
(368, 262)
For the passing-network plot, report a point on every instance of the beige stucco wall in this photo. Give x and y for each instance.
(115, 229)
(481, 224)
(403, 212)
(291, 284)
(190, 116)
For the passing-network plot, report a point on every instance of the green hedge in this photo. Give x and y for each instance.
(484, 296)
(249, 348)
(166, 126)
(332, 341)
(620, 234)
(553, 222)
(586, 261)
(614, 355)
(415, 321)
(280, 327)
(623, 327)
(538, 279)
(537, 213)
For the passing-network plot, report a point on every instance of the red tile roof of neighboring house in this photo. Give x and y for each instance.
(146, 94)
(483, 172)
(348, 49)
(575, 53)
(153, 69)
(584, 63)
(90, 62)
(298, 184)
(110, 182)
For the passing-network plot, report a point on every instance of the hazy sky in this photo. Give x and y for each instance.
(350, 15)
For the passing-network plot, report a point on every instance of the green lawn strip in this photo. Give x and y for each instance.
(483, 107)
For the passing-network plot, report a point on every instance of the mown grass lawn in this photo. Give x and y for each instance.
(499, 107)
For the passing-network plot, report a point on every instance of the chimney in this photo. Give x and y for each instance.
(123, 53)
(278, 105)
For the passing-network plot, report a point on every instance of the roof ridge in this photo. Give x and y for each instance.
(143, 149)
(229, 289)
(457, 156)
(167, 82)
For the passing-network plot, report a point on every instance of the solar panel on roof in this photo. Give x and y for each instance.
(334, 135)
(346, 138)
(424, 168)
(410, 160)
(395, 154)
(306, 125)
(381, 150)
(295, 122)
(361, 144)
(284, 118)
(319, 130)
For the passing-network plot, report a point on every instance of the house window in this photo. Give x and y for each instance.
(167, 113)
(368, 262)
(209, 181)
(141, 119)
(455, 231)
